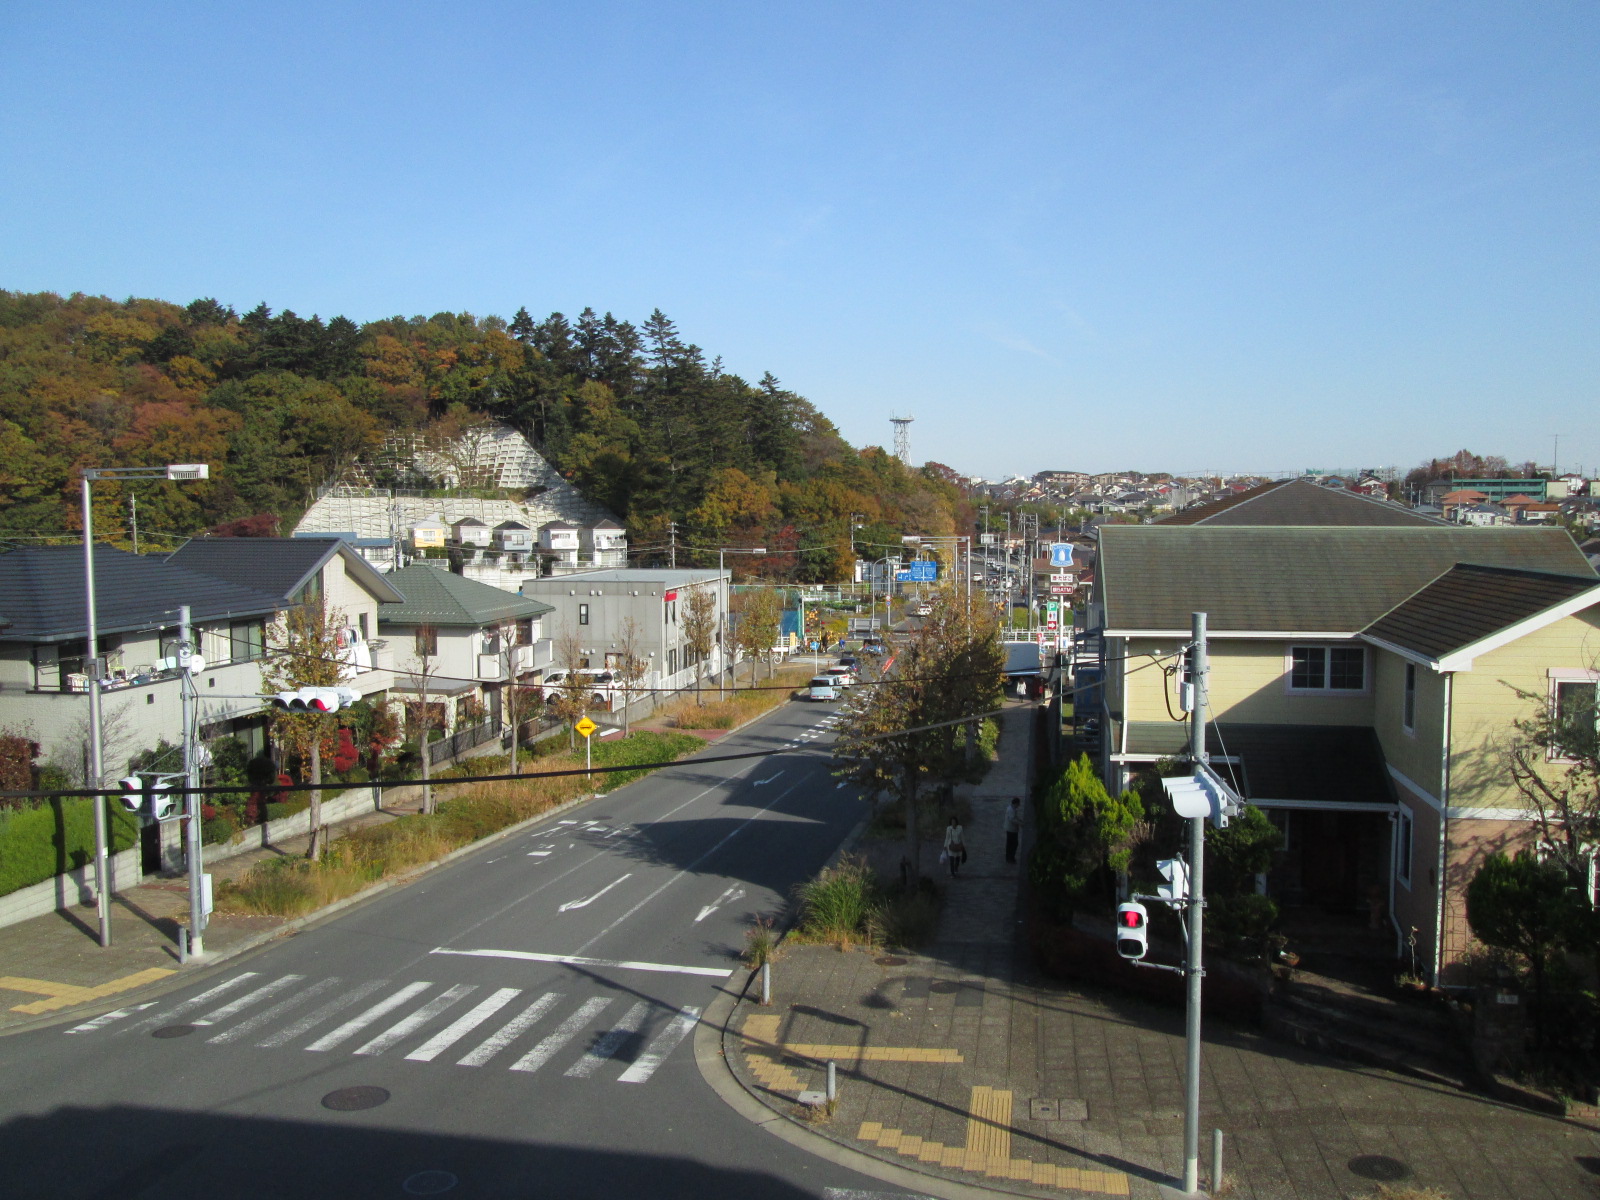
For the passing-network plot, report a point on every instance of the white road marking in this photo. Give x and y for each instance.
(362, 1019)
(265, 991)
(609, 1042)
(665, 1042)
(566, 822)
(192, 1003)
(463, 1025)
(417, 1020)
(564, 1033)
(841, 785)
(732, 833)
(578, 960)
(105, 1019)
(733, 892)
(510, 1031)
(312, 1019)
(539, 853)
(769, 778)
(267, 1016)
(858, 1194)
(572, 904)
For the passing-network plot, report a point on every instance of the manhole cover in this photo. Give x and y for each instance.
(172, 1031)
(352, 1099)
(945, 989)
(429, 1183)
(890, 960)
(1379, 1167)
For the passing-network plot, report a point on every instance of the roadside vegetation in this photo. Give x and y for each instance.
(291, 887)
(850, 905)
(738, 706)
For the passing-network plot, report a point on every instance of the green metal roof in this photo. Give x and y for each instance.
(1300, 579)
(1299, 502)
(1468, 603)
(435, 597)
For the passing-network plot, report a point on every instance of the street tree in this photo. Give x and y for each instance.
(571, 698)
(303, 651)
(700, 632)
(760, 618)
(630, 667)
(424, 716)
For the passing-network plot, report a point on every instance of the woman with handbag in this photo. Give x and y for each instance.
(955, 849)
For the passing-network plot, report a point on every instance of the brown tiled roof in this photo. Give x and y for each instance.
(1327, 580)
(1298, 502)
(1469, 603)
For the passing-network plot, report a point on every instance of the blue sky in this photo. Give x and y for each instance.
(1158, 236)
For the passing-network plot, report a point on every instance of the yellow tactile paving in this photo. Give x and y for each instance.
(764, 1053)
(64, 995)
(988, 1149)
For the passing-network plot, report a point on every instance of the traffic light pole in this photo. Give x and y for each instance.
(1196, 912)
(191, 780)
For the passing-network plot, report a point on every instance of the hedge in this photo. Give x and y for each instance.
(46, 839)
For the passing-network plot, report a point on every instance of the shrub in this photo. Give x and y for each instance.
(840, 904)
(41, 840)
(908, 919)
(218, 829)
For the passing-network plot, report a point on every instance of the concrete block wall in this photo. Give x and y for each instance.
(72, 889)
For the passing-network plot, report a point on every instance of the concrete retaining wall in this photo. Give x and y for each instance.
(69, 890)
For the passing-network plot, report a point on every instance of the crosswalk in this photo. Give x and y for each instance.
(429, 1021)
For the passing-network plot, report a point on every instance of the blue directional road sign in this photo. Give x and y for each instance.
(923, 570)
(1060, 554)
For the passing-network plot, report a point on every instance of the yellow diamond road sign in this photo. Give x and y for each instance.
(586, 727)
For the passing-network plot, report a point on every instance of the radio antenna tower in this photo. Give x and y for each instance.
(902, 438)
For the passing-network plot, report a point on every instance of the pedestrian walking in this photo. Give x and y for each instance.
(955, 845)
(1013, 827)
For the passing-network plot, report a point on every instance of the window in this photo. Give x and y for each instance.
(427, 642)
(1408, 707)
(1402, 847)
(583, 614)
(361, 624)
(1573, 719)
(1327, 668)
(247, 639)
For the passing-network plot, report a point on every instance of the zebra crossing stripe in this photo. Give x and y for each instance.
(265, 992)
(312, 1019)
(565, 1032)
(418, 1019)
(362, 1019)
(105, 1019)
(463, 1025)
(268, 1015)
(189, 1005)
(664, 1044)
(510, 1031)
(609, 1042)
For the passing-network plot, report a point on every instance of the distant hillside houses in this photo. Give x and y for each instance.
(554, 529)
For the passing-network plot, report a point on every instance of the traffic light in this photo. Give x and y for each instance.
(1176, 873)
(1133, 930)
(149, 798)
(314, 700)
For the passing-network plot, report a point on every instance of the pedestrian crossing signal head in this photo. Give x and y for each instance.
(149, 798)
(1133, 930)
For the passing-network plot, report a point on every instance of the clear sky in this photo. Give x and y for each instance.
(1152, 235)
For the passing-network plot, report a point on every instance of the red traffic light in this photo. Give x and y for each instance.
(1131, 918)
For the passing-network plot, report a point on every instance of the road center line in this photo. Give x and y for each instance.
(578, 960)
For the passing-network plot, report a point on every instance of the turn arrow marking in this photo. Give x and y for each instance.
(767, 780)
(733, 893)
(572, 904)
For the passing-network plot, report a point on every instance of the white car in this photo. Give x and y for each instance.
(841, 676)
(823, 687)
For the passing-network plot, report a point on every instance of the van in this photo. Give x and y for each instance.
(823, 687)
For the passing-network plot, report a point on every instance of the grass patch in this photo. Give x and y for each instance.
(849, 905)
(292, 887)
(737, 707)
(760, 944)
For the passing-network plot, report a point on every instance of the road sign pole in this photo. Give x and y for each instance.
(1197, 886)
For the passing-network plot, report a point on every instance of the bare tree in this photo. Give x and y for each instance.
(571, 700)
(508, 633)
(425, 650)
(630, 667)
(303, 651)
(700, 632)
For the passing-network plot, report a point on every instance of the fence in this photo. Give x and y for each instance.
(462, 740)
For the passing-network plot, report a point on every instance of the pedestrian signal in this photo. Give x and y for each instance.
(1133, 933)
(149, 798)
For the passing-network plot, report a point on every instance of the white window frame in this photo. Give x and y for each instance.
(1408, 700)
(1569, 675)
(1405, 833)
(1327, 668)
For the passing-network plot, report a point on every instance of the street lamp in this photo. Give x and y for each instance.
(95, 668)
(722, 622)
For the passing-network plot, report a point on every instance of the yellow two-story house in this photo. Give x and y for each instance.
(1363, 685)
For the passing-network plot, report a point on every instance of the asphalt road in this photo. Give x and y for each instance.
(528, 1011)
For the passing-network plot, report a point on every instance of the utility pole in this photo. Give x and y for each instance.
(672, 543)
(1197, 904)
(191, 781)
(133, 519)
(94, 668)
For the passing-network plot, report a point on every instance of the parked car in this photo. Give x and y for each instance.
(823, 687)
(851, 661)
(842, 676)
(924, 609)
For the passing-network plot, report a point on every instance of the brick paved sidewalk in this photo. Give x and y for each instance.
(960, 1063)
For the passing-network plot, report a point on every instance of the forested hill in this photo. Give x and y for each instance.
(634, 416)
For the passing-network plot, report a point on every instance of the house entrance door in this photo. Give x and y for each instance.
(1330, 858)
